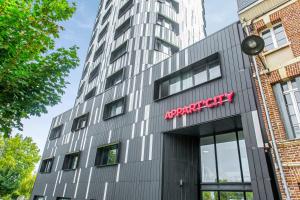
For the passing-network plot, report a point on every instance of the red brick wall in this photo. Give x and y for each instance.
(289, 150)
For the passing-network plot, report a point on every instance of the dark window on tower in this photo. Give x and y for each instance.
(103, 32)
(90, 94)
(80, 122)
(85, 70)
(80, 90)
(94, 73)
(168, 23)
(46, 165)
(127, 6)
(171, 3)
(93, 37)
(38, 198)
(118, 52)
(115, 78)
(114, 108)
(63, 198)
(55, 132)
(106, 15)
(99, 51)
(89, 53)
(165, 47)
(123, 28)
(71, 161)
(107, 155)
(196, 74)
(107, 3)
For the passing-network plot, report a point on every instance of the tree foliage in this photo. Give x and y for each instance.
(18, 156)
(32, 71)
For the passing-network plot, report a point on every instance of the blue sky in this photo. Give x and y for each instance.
(77, 31)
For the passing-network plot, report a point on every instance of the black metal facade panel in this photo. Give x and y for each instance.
(140, 130)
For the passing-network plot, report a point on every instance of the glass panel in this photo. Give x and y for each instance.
(112, 156)
(297, 131)
(119, 108)
(232, 196)
(200, 76)
(285, 87)
(214, 71)
(164, 89)
(74, 162)
(175, 85)
(288, 99)
(297, 96)
(268, 40)
(210, 195)
(249, 195)
(187, 80)
(208, 160)
(294, 84)
(280, 35)
(244, 158)
(228, 158)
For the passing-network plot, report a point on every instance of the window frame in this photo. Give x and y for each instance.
(35, 197)
(99, 51)
(42, 164)
(175, 25)
(109, 79)
(103, 32)
(60, 127)
(94, 73)
(174, 49)
(118, 144)
(113, 57)
(78, 153)
(243, 186)
(125, 8)
(122, 28)
(90, 94)
(273, 36)
(106, 15)
(63, 198)
(77, 119)
(205, 64)
(107, 108)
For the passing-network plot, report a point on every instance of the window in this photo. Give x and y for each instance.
(165, 47)
(99, 51)
(224, 165)
(46, 165)
(90, 52)
(38, 198)
(80, 90)
(71, 161)
(106, 15)
(93, 37)
(63, 198)
(55, 132)
(107, 3)
(118, 52)
(171, 3)
(167, 23)
(122, 28)
(288, 97)
(114, 108)
(274, 37)
(115, 78)
(188, 77)
(102, 33)
(94, 73)
(127, 6)
(107, 155)
(85, 70)
(90, 94)
(80, 122)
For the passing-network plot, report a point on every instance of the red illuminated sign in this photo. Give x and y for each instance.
(214, 102)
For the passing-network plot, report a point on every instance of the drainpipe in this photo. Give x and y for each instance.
(275, 148)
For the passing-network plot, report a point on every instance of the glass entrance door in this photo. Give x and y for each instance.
(224, 169)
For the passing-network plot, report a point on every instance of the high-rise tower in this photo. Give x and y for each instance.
(134, 34)
(158, 116)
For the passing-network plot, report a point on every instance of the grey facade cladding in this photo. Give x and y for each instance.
(142, 170)
(242, 4)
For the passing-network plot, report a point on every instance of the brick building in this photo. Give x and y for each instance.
(277, 22)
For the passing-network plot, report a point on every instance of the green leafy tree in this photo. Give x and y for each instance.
(18, 156)
(32, 71)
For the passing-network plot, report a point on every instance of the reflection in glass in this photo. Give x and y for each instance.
(228, 158)
(200, 76)
(214, 71)
(175, 85)
(187, 80)
(232, 196)
(249, 195)
(244, 158)
(208, 160)
(210, 195)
